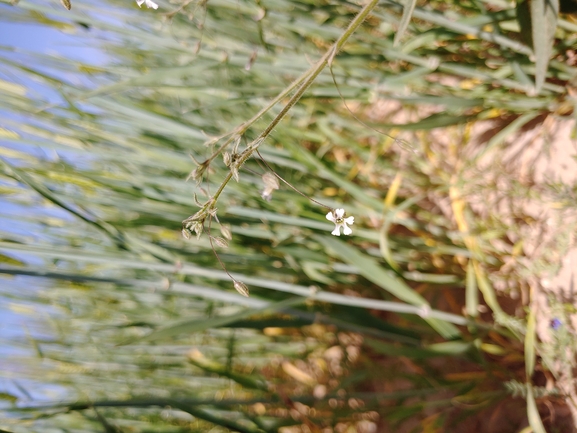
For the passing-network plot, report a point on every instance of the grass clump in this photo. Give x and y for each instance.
(431, 316)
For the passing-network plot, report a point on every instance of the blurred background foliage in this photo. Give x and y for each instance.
(395, 328)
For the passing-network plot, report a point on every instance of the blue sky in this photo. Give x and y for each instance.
(19, 318)
(47, 40)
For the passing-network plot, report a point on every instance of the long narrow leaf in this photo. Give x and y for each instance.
(189, 326)
(544, 15)
(408, 9)
(369, 269)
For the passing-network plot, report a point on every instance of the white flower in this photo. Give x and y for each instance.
(340, 221)
(148, 3)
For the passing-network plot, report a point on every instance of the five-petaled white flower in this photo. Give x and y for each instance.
(148, 3)
(338, 217)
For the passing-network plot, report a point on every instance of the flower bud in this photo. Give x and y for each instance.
(241, 288)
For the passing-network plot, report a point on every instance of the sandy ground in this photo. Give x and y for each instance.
(535, 174)
(527, 184)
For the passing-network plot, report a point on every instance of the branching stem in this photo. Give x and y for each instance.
(304, 82)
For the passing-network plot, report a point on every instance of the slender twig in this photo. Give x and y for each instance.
(400, 141)
(309, 78)
(210, 239)
(279, 177)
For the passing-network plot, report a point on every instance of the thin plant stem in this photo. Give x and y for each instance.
(310, 76)
(241, 129)
(214, 250)
(289, 184)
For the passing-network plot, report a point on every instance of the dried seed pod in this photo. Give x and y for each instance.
(226, 158)
(241, 288)
(225, 231)
(186, 233)
(221, 242)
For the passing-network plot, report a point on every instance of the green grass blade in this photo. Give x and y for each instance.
(385, 279)
(471, 292)
(530, 344)
(384, 244)
(189, 326)
(544, 15)
(372, 271)
(234, 298)
(408, 8)
(533, 413)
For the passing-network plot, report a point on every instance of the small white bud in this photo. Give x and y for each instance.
(225, 231)
(270, 185)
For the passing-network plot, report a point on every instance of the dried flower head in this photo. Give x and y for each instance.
(195, 223)
(198, 172)
(231, 161)
(270, 185)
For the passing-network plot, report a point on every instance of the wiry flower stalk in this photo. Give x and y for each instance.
(301, 84)
(337, 216)
(291, 186)
(238, 285)
(235, 160)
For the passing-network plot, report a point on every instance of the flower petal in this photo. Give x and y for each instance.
(331, 217)
(350, 220)
(347, 230)
(266, 194)
(151, 4)
(339, 213)
(336, 231)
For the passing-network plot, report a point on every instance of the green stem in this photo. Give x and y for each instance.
(221, 188)
(308, 77)
(314, 72)
(244, 126)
